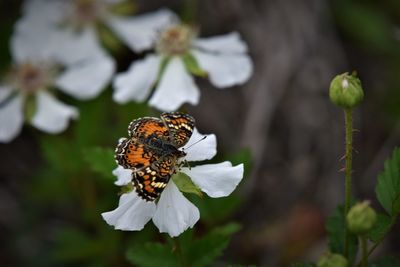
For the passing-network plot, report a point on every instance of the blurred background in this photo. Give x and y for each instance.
(281, 124)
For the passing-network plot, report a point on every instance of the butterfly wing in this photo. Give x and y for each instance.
(180, 127)
(151, 181)
(134, 155)
(148, 128)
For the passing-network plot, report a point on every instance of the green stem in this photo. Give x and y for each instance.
(348, 171)
(377, 243)
(364, 251)
(178, 251)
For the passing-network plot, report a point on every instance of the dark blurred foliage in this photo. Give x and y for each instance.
(51, 200)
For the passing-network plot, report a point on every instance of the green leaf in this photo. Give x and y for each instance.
(100, 160)
(185, 184)
(388, 187)
(192, 65)
(152, 255)
(380, 228)
(335, 227)
(387, 261)
(204, 251)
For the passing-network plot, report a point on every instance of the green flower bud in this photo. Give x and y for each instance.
(332, 260)
(361, 218)
(346, 90)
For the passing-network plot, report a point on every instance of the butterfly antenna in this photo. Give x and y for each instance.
(198, 141)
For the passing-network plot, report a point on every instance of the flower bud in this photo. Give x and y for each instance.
(361, 218)
(332, 260)
(346, 91)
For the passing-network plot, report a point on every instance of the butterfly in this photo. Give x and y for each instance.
(152, 151)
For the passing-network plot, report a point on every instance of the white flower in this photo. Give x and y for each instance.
(179, 54)
(45, 59)
(137, 32)
(173, 213)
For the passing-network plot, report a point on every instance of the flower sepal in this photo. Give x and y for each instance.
(192, 65)
(124, 8)
(185, 184)
(30, 107)
(126, 189)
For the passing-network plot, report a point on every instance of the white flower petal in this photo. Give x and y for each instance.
(174, 212)
(5, 92)
(225, 70)
(175, 88)
(87, 79)
(76, 46)
(136, 82)
(124, 176)
(11, 115)
(48, 11)
(203, 150)
(33, 41)
(132, 213)
(140, 32)
(217, 180)
(52, 116)
(228, 43)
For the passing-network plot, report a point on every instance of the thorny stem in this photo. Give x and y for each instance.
(178, 251)
(348, 170)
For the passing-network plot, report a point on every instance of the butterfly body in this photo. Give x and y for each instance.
(152, 151)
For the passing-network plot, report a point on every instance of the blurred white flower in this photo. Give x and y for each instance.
(178, 55)
(75, 16)
(44, 59)
(173, 213)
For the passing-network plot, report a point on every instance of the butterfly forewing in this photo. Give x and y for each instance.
(147, 128)
(132, 154)
(180, 127)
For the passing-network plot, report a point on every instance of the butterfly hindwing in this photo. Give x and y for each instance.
(151, 181)
(180, 127)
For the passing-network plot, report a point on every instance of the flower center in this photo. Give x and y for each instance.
(87, 12)
(30, 78)
(175, 40)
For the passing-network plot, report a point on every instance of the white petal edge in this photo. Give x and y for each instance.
(203, 150)
(11, 116)
(175, 88)
(225, 70)
(124, 176)
(216, 180)
(174, 212)
(85, 80)
(227, 43)
(132, 213)
(140, 32)
(52, 116)
(137, 81)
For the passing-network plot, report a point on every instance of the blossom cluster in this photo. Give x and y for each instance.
(58, 48)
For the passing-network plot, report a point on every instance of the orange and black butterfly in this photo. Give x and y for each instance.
(152, 151)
